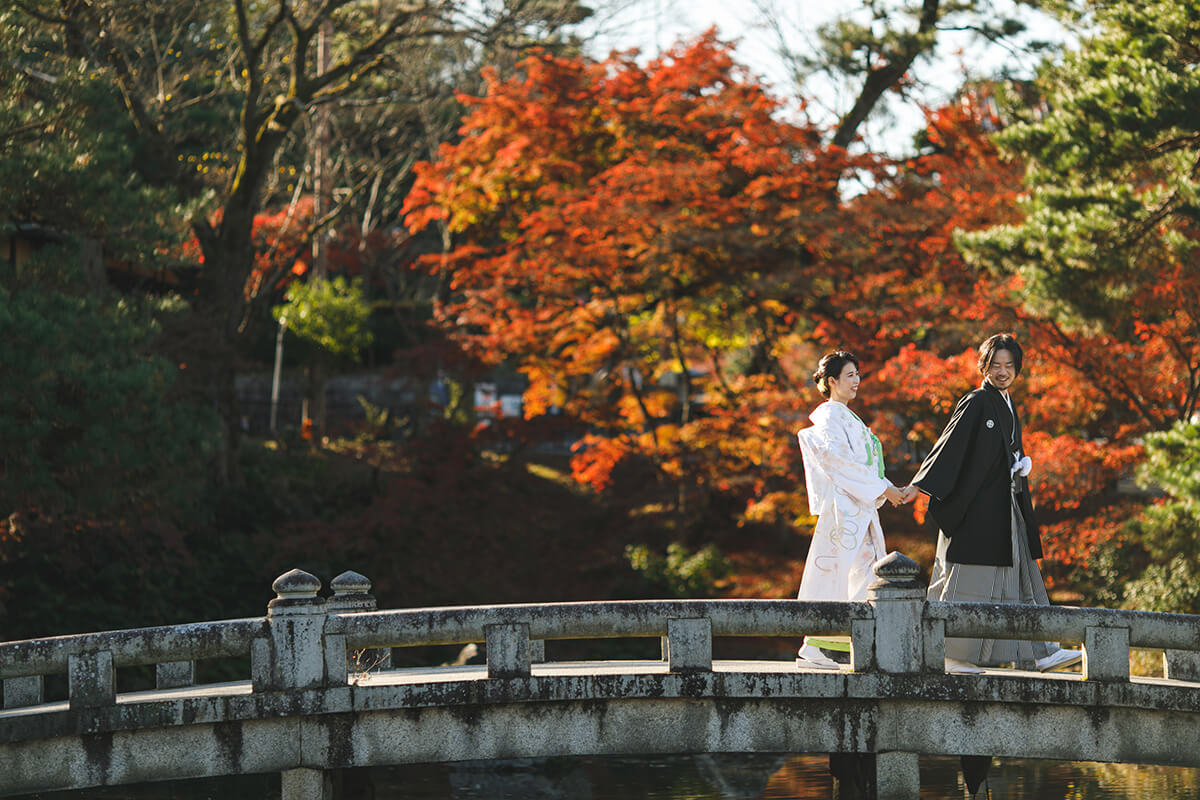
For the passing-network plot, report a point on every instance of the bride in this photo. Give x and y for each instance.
(843, 475)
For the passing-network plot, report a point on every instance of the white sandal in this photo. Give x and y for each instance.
(812, 658)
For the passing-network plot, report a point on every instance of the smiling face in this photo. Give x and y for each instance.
(844, 387)
(1002, 370)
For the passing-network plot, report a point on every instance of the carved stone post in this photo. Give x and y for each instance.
(92, 680)
(507, 650)
(295, 621)
(688, 645)
(1180, 665)
(898, 598)
(899, 601)
(27, 691)
(1106, 654)
(174, 674)
(292, 657)
(352, 592)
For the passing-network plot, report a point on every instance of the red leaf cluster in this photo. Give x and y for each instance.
(666, 260)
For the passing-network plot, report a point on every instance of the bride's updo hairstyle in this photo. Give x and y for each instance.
(831, 366)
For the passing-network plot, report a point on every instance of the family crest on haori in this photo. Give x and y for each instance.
(977, 476)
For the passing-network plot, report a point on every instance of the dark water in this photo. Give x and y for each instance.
(723, 777)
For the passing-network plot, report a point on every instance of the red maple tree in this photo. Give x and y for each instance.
(643, 241)
(665, 260)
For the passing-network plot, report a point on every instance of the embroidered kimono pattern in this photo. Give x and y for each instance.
(843, 475)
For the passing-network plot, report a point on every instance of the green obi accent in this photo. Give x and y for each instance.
(871, 441)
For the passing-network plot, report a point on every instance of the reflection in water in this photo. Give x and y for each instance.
(706, 777)
(765, 777)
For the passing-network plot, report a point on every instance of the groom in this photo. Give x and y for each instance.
(988, 539)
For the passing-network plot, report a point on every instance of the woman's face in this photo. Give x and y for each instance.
(844, 387)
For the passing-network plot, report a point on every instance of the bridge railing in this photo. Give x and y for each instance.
(514, 634)
(89, 660)
(1107, 635)
(307, 642)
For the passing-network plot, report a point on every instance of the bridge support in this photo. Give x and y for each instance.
(899, 648)
(305, 784)
(897, 776)
(294, 657)
(875, 776)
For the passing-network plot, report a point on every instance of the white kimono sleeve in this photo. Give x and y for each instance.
(835, 458)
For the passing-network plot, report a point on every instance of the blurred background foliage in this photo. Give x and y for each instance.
(653, 248)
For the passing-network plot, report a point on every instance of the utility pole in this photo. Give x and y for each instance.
(315, 402)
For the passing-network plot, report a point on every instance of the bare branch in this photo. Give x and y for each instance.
(884, 77)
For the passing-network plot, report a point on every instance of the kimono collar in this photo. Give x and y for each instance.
(1013, 428)
(1005, 396)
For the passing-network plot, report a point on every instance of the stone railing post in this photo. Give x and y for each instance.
(1105, 654)
(351, 592)
(1178, 665)
(898, 598)
(507, 650)
(92, 680)
(27, 691)
(174, 674)
(687, 647)
(292, 655)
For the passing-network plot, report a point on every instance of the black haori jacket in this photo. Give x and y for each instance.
(967, 476)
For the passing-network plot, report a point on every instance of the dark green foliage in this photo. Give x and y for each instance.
(681, 573)
(86, 417)
(68, 153)
(1173, 586)
(1113, 189)
(1170, 530)
(1155, 566)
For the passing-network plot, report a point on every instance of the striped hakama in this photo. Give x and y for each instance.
(979, 583)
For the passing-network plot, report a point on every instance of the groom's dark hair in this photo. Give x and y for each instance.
(996, 343)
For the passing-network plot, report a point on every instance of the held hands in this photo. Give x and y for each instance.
(898, 497)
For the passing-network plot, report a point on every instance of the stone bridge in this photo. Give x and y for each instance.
(321, 694)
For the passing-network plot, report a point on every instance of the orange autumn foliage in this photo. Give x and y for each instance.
(622, 231)
(665, 260)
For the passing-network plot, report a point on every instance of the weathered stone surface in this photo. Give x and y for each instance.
(507, 650)
(295, 593)
(174, 674)
(688, 645)
(899, 601)
(27, 691)
(301, 714)
(92, 679)
(897, 775)
(1182, 665)
(351, 592)
(1106, 654)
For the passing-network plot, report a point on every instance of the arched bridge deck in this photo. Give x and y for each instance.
(307, 709)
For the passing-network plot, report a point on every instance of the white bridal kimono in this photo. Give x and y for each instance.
(843, 475)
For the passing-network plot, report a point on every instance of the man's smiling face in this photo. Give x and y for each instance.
(1002, 371)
